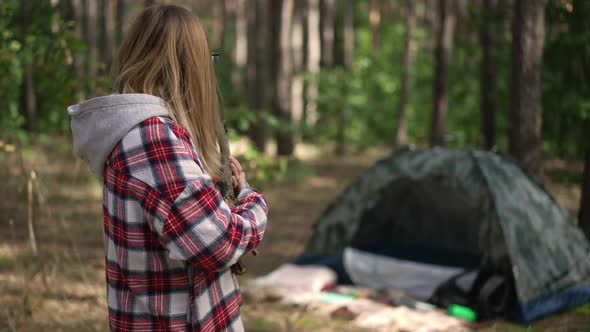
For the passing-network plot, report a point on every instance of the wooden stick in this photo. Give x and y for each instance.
(32, 238)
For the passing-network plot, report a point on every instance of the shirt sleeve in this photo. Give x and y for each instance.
(200, 226)
(202, 229)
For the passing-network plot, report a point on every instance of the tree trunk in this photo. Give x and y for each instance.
(375, 21)
(348, 58)
(107, 32)
(444, 45)
(92, 42)
(401, 134)
(488, 75)
(297, 103)
(79, 63)
(282, 108)
(120, 20)
(218, 36)
(528, 34)
(257, 70)
(29, 97)
(241, 45)
(313, 61)
(328, 26)
(584, 217)
(348, 33)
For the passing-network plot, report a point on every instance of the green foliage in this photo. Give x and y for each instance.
(566, 78)
(263, 169)
(10, 66)
(364, 97)
(49, 45)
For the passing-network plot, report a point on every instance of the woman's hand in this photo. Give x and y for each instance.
(238, 177)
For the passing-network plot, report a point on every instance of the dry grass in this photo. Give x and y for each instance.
(62, 287)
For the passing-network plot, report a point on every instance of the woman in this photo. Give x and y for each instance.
(170, 239)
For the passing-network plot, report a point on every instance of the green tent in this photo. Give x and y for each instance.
(465, 202)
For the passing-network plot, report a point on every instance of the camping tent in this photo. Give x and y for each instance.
(469, 203)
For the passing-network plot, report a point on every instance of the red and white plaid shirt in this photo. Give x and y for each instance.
(167, 228)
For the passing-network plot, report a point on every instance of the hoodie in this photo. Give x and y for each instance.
(100, 123)
(170, 239)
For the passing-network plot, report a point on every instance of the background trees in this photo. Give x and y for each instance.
(528, 37)
(343, 73)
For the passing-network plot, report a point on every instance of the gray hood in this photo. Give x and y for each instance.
(99, 124)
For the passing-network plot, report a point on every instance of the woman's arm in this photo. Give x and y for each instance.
(200, 227)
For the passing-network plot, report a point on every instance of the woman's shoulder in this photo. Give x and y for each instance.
(155, 146)
(163, 127)
(158, 137)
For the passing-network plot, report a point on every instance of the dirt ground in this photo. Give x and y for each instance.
(61, 287)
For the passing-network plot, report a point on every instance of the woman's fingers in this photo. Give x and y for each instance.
(234, 170)
(238, 177)
(235, 162)
(242, 180)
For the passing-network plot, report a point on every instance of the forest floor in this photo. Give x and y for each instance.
(61, 288)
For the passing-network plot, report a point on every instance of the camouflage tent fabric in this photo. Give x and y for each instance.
(475, 202)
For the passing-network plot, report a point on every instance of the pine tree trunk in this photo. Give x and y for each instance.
(528, 34)
(107, 31)
(30, 100)
(297, 102)
(92, 42)
(584, 217)
(284, 136)
(240, 55)
(444, 45)
(258, 75)
(348, 55)
(401, 134)
(488, 75)
(121, 11)
(349, 33)
(375, 22)
(328, 26)
(218, 36)
(79, 63)
(313, 61)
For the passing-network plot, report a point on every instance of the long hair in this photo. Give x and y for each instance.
(166, 54)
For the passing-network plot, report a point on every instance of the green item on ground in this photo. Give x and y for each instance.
(463, 312)
(328, 297)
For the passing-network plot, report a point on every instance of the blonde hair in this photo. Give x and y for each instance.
(166, 54)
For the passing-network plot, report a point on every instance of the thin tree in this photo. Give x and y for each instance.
(240, 50)
(106, 23)
(528, 35)
(78, 7)
(488, 74)
(401, 133)
(283, 11)
(91, 37)
(584, 217)
(297, 86)
(313, 61)
(444, 45)
(328, 26)
(258, 75)
(30, 100)
(121, 14)
(218, 36)
(349, 35)
(348, 55)
(375, 22)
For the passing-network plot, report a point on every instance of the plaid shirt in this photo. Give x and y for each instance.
(170, 239)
